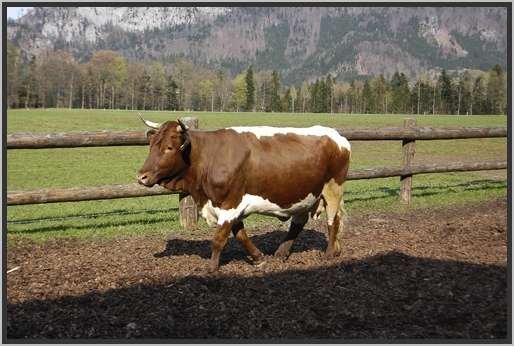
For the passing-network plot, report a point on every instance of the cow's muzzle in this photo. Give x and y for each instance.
(144, 179)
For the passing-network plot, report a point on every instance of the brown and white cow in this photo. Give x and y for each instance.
(234, 172)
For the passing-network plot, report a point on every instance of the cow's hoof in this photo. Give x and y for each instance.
(282, 252)
(259, 262)
(330, 254)
(258, 259)
(213, 269)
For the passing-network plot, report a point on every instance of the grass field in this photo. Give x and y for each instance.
(48, 168)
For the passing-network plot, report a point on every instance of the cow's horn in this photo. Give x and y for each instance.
(182, 125)
(149, 123)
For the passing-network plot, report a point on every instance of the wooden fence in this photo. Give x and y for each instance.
(113, 138)
(188, 212)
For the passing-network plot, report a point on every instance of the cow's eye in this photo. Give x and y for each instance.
(170, 148)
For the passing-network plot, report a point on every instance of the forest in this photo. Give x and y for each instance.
(55, 79)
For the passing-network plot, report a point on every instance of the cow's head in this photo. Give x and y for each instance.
(169, 149)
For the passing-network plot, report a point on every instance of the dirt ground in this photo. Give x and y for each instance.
(432, 273)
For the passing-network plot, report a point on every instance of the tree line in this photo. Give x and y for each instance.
(108, 81)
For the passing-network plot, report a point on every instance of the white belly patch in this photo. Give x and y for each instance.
(317, 130)
(251, 204)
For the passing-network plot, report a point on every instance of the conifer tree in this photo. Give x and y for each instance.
(171, 95)
(446, 92)
(367, 97)
(250, 90)
(276, 105)
(479, 104)
(495, 91)
(400, 93)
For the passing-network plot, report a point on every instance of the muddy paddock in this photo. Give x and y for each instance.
(431, 273)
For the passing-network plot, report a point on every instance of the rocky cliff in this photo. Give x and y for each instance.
(300, 42)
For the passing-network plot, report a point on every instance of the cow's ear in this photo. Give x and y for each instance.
(149, 133)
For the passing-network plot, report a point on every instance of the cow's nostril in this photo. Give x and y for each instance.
(142, 177)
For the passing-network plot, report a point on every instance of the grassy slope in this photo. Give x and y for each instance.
(33, 169)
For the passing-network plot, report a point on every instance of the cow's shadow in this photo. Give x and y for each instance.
(268, 242)
(389, 297)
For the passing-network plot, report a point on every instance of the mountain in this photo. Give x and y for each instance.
(300, 42)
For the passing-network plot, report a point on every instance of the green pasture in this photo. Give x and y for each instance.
(52, 168)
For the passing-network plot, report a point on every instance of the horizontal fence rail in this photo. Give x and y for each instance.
(75, 139)
(136, 190)
(76, 194)
(123, 138)
(387, 172)
(422, 133)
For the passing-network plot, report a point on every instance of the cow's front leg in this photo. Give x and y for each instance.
(218, 243)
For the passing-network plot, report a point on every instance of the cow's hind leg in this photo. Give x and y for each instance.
(240, 234)
(333, 196)
(297, 223)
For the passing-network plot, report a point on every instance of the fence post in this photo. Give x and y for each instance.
(408, 148)
(188, 211)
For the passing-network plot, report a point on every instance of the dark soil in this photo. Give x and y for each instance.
(432, 273)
